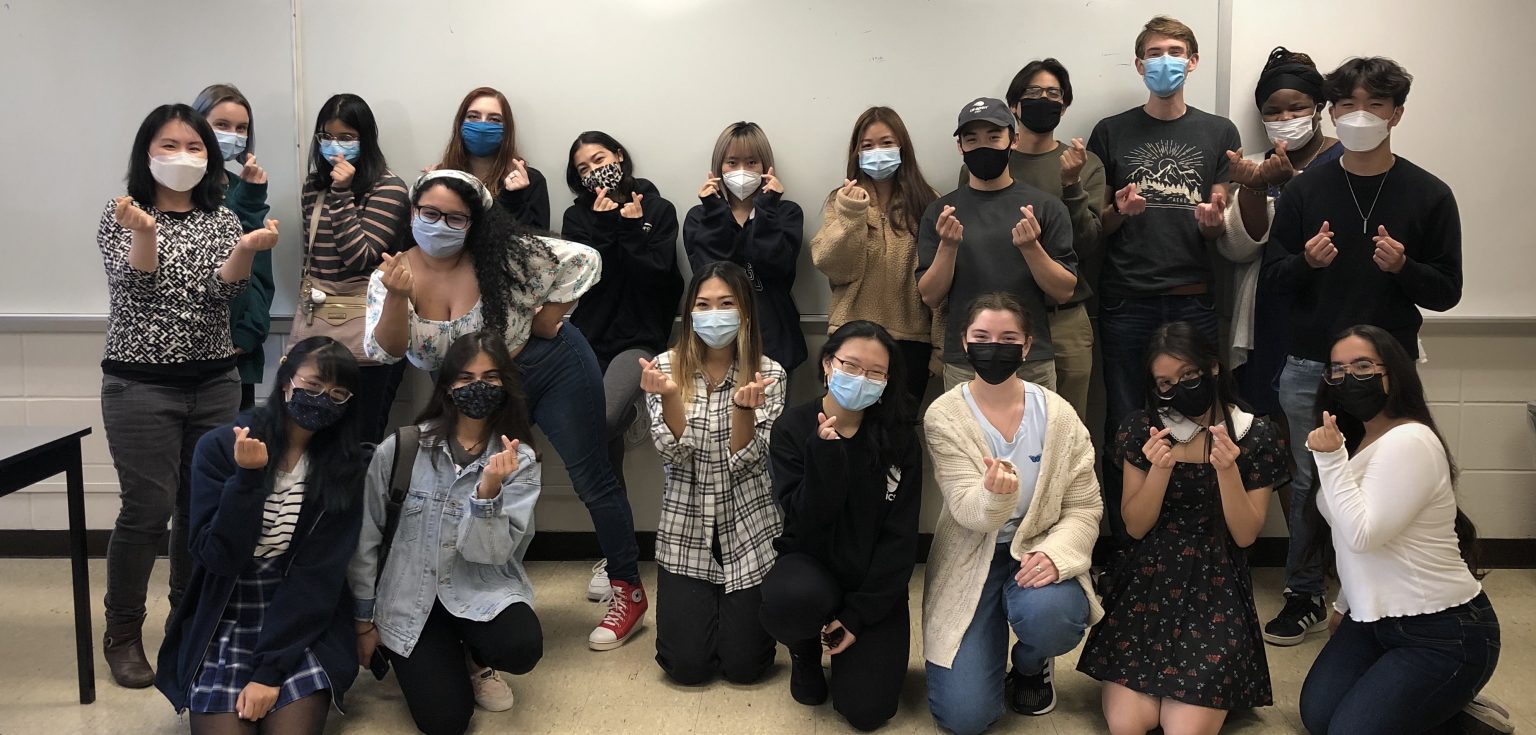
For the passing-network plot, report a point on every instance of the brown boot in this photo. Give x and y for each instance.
(123, 646)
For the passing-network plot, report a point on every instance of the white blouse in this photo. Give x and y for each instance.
(1393, 511)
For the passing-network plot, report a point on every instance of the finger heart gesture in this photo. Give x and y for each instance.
(1000, 477)
(1326, 438)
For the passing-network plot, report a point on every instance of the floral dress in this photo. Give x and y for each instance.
(1179, 621)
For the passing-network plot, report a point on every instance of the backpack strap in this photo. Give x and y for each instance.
(407, 442)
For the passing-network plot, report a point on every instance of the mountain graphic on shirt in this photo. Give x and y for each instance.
(1167, 173)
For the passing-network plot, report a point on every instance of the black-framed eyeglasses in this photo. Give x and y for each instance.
(337, 396)
(433, 214)
(1361, 369)
(1051, 93)
(1189, 381)
(325, 137)
(858, 370)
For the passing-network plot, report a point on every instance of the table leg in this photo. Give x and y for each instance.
(84, 637)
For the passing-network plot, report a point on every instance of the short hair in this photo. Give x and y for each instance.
(208, 194)
(999, 301)
(1169, 27)
(1022, 79)
(1379, 75)
(217, 94)
(750, 135)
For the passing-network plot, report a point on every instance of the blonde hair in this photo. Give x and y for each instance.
(1167, 27)
(751, 136)
(688, 354)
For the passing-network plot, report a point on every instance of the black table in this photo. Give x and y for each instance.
(31, 454)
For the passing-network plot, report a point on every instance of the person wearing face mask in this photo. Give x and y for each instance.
(713, 399)
(440, 578)
(265, 645)
(847, 473)
(356, 211)
(743, 218)
(245, 193)
(1015, 536)
(1334, 250)
(484, 143)
(994, 234)
(1414, 637)
(174, 259)
(867, 244)
(1179, 645)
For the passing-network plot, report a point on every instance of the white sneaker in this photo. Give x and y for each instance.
(598, 588)
(1490, 712)
(491, 691)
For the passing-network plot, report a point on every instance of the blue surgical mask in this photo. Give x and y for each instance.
(348, 149)
(1164, 75)
(230, 144)
(437, 239)
(880, 163)
(854, 393)
(481, 138)
(717, 327)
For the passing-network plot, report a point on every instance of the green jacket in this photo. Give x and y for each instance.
(250, 314)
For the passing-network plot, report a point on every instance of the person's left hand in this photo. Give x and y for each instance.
(633, 210)
(1026, 234)
(1072, 160)
(517, 178)
(771, 182)
(1390, 254)
(1212, 213)
(255, 701)
(843, 643)
(1036, 570)
(262, 239)
(1224, 452)
(250, 173)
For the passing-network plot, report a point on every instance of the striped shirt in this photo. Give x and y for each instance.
(280, 514)
(354, 234)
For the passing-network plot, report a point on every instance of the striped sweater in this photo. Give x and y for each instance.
(354, 234)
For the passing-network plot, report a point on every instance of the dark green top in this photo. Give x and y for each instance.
(250, 313)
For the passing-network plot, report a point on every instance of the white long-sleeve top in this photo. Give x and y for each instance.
(1393, 512)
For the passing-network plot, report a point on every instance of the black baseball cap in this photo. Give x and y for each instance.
(990, 109)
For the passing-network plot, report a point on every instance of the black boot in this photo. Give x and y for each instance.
(807, 682)
(123, 646)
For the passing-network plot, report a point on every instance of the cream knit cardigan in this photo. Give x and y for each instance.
(1062, 521)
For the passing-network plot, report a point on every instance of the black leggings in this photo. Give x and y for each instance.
(435, 678)
(302, 716)
(799, 597)
(701, 631)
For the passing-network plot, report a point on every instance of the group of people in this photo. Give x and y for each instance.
(1258, 319)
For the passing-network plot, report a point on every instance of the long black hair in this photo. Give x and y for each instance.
(890, 423)
(352, 111)
(1405, 400)
(337, 459)
(440, 416)
(501, 250)
(208, 195)
(618, 193)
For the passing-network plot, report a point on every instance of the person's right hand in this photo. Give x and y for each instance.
(711, 186)
(1159, 450)
(131, 218)
(1245, 172)
(951, 232)
(367, 642)
(1319, 250)
(1000, 478)
(341, 172)
(1326, 438)
(653, 380)
(498, 468)
(1128, 203)
(633, 210)
(396, 275)
(853, 191)
(517, 178)
(251, 173)
(602, 203)
(826, 427)
(250, 454)
(1335, 619)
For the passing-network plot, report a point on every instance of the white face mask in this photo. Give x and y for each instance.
(742, 182)
(178, 171)
(1361, 131)
(1295, 132)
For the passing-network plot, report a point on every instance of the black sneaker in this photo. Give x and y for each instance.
(1034, 694)
(807, 682)
(1303, 614)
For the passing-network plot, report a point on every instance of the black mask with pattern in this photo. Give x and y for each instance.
(606, 176)
(312, 412)
(478, 399)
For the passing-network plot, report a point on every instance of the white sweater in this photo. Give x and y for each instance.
(1393, 514)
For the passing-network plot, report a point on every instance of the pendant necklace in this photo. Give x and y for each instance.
(1365, 216)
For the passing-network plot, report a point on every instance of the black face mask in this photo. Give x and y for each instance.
(478, 399)
(1362, 399)
(995, 362)
(986, 163)
(313, 413)
(1191, 402)
(1040, 115)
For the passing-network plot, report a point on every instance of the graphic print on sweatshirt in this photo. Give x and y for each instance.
(1167, 173)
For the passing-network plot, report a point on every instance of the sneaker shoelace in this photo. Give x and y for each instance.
(618, 605)
(601, 567)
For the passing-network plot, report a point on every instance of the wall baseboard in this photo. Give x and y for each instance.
(1497, 553)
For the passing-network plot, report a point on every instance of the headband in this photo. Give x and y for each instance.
(448, 173)
(1299, 77)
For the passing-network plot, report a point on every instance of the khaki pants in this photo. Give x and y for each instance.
(1039, 372)
(1072, 336)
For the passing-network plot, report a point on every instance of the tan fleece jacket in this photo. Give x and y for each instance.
(870, 263)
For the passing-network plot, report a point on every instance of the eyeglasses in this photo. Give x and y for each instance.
(1051, 93)
(1359, 370)
(343, 138)
(1189, 381)
(337, 396)
(858, 370)
(433, 214)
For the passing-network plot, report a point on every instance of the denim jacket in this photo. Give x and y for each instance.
(449, 546)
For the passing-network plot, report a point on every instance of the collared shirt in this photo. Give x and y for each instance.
(714, 496)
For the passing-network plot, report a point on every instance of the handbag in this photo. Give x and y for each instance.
(329, 308)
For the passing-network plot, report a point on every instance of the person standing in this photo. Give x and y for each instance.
(484, 143)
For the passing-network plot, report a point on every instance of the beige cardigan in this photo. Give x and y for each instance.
(1062, 521)
(871, 267)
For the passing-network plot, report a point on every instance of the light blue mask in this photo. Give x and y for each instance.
(1164, 75)
(231, 145)
(717, 327)
(880, 163)
(854, 393)
(348, 149)
(437, 239)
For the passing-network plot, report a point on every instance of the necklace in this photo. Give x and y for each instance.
(1365, 216)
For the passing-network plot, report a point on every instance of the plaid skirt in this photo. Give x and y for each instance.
(226, 667)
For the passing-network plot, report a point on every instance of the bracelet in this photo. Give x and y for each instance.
(1254, 189)
(740, 407)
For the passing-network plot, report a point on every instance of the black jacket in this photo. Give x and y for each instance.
(635, 302)
(846, 510)
(769, 248)
(529, 205)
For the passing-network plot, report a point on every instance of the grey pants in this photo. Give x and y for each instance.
(151, 432)
(621, 392)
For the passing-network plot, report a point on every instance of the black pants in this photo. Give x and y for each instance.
(375, 396)
(702, 631)
(799, 597)
(435, 679)
(915, 357)
(247, 396)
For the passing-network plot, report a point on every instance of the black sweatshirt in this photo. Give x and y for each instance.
(528, 205)
(847, 511)
(1418, 211)
(768, 247)
(635, 302)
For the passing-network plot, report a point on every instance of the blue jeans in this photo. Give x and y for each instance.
(565, 397)
(1298, 397)
(1401, 675)
(967, 698)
